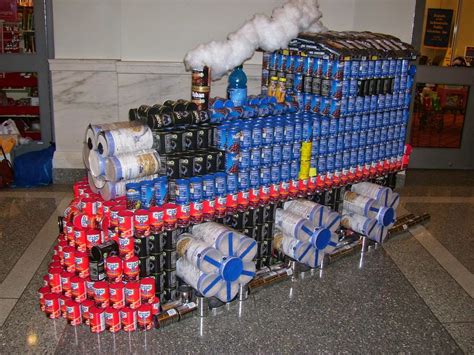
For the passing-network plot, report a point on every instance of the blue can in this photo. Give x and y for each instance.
(378, 70)
(315, 147)
(349, 121)
(298, 64)
(298, 83)
(403, 82)
(266, 155)
(255, 157)
(294, 169)
(390, 133)
(307, 128)
(365, 69)
(375, 153)
(333, 126)
(330, 163)
(359, 104)
(388, 101)
(290, 64)
(195, 188)
(346, 69)
(351, 102)
(244, 159)
(379, 119)
(381, 102)
(243, 180)
(353, 158)
(383, 134)
(332, 144)
(347, 140)
(368, 154)
(364, 121)
(401, 147)
(355, 139)
(256, 134)
(133, 194)
(393, 118)
(286, 152)
(339, 143)
(367, 103)
(392, 67)
(232, 140)
(296, 151)
(272, 63)
(289, 132)
(382, 152)
(346, 84)
(308, 63)
(396, 84)
(386, 119)
(338, 161)
(396, 132)
(160, 188)
(388, 149)
(362, 138)
(232, 161)
(265, 175)
(355, 66)
(307, 102)
(373, 103)
(267, 133)
(343, 106)
(275, 172)
(323, 146)
(399, 119)
(221, 135)
(146, 194)
(248, 112)
(254, 176)
(324, 131)
(182, 191)
(317, 126)
(208, 187)
(278, 131)
(371, 69)
(246, 136)
(377, 136)
(346, 159)
(285, 171)
(360, 156)
(298, 130)
(277, 154)
(322, 164)
(401, 99)
(370, 137)
(221, 183)
(353, 87)
(403, 132)
(232, 183)
(356, 123)
(281, 59)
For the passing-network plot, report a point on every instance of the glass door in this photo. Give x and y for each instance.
(442, 124)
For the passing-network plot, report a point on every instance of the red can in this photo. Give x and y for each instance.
(70, 212)
(86, 306)
(90, 288)
(220, 206)
(243, 199)
(141, 223)
(129, 319)
(147, 289)
(155, 305)
(51, 305)
(66, 282)
(55, 264)
(264, 194)
(126, 247)
(61, 245)
(117, 295)
(132, 294)
(131, 268)
(78, 288)
(41, 293)
(78, 188)
(82, 264)
(93, 237)
(312, 183)
(54, 275)
(56, 258)
(170, 216)
(104, 224)
(62, 304)
(97, 319)
(69, 258)
(254, 197)
(101, 294)
(73, 312)
(208, 210)
(99, 205)
(112, 233)
(80, 239)
(125, 223)
(274, 192)
(145, 317)
(112, 320)
(88, 206)
(82, 220)
(46, 280)
(107, 205)
(156, 219)
(303, 186)
(114, 214)
(293, 188)
(183, 215)
(114, 268)
(232, 202)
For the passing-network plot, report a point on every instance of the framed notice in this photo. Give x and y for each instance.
(438, 28)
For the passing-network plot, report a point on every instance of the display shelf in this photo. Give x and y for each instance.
(16, 80)
(24, 111)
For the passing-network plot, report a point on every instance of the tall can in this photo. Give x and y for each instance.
(200, 87)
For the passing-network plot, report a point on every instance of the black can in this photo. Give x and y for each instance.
(170, 278)
(159, 282)
(204, 117)
(97, 270)
(144, 267)
(269, 230)
(168, 141)
(178, 106)
(155, 263)
(211, 161)
(262, 249)
(259, 263)
(212, 134)
(185, 167)
(202, 137)
(252, 217)
(290, 79)
(102, 251)
(190, 106)
(262, 215)
(156, 243)
(170, 295)
(181, 230)
(170, 257)
(171, 238)
(190, 140)
(160, 119)
(171, 163)
(261, 232)
(133, 115)
(270, 212)
(250, 232)
(316, 86)
(199, 164)
(142, 112)
(236, 221)
(220, 160)
(141, 247)
(307, 83)
(182, 118)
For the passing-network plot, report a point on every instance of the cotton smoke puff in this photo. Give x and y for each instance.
(267, 33)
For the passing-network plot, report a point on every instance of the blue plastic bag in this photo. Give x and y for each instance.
(34, 168)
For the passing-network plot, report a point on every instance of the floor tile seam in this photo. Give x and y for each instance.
(29, 244)
(42, 260)
(430, 310)
(460, 322)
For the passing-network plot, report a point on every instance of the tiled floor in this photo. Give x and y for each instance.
(412, 295)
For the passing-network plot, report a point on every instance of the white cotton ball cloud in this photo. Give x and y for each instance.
(267, 33)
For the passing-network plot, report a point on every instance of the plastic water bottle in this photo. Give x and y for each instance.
(365, 206)
(237, 87)
(199, 253)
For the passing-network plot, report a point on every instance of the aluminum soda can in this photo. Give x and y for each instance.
(128, 317)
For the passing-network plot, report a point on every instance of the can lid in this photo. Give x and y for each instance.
(231, 269)
(386, 216)
(321, 238)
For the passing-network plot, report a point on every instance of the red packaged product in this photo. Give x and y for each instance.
(112, 320)
(126, 247)
(156, 219)
(51, 305)
(141, 223)
(128, 317)
(101, 294)
(82, 264)
(147, 289)
(114, 268)
(125, 223)
(66, 282)
(117, 295)
(78, 289)
(145, 317)
(86, 306)
(132, 294)
(131, 268)
(97, 319)
(73, 312)
(54, 275)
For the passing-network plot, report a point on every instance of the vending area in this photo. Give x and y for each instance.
(197, 202)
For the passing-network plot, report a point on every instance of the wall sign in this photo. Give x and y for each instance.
(438, 28)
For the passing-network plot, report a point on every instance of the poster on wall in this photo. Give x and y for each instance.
(8, 10)
(438, 28)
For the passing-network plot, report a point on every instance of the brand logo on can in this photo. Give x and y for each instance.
(124, 242)
(113, 266)
(146, 288)
(144, 314)
(129, 292)
(100, 291)
(93, 238)
(171, 212)
(132, 265)
(108, 316)
(158, 215)
(141, 219)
